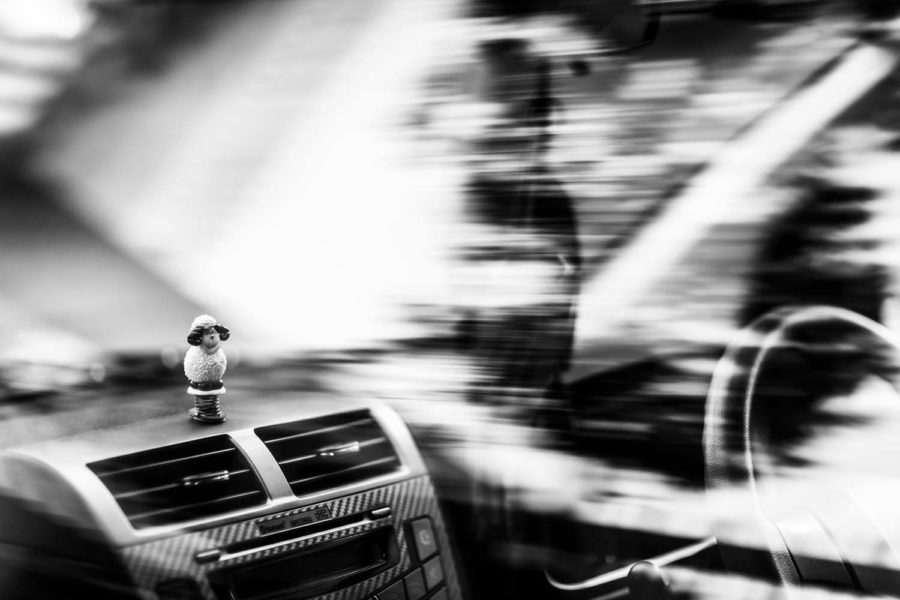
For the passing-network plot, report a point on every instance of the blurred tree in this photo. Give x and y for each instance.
(512, 189)
(818, 253)
(626, 24)
(878, 9)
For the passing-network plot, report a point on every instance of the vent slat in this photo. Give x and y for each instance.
(162, 511)
(289, 461)
(168, 486)
(371, 463)
(187, 507)
(165, 463)
(149, 486)
(323, 431)
(363, 444)
(301, 449)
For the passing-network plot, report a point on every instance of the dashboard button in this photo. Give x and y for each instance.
(440, 595)
(393, 592)
(380, 513)
(208, 556)
(415, 585)
(434, 573)
(423, 538)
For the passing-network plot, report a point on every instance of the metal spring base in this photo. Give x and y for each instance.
(207, 410)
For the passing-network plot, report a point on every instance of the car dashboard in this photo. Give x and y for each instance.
(312, 499)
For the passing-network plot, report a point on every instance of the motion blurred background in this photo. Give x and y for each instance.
(531, 226)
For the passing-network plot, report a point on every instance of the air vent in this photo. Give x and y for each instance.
(182, 482)
(330, 452)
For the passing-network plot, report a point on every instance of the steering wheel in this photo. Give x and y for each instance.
(800, 474)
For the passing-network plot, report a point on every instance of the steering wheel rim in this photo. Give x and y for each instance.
(728, 439)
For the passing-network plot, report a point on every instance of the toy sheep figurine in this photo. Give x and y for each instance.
(204, 366)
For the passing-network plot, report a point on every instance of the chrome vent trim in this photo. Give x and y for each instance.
(329, 452)
(181, 482)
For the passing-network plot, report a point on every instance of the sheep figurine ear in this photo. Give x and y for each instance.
(224, 332)
(195, 336)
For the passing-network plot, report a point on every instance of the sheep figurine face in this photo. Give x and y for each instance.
(210, 340)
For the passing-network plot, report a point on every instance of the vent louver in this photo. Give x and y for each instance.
(328, 452)
(181, 482)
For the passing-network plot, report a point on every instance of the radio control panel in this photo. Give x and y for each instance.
(388, 543)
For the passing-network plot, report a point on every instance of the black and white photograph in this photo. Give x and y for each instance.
(449, 299)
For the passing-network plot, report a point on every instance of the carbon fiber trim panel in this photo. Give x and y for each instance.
(173, 558)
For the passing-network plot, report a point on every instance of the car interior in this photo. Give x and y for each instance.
(666, 365)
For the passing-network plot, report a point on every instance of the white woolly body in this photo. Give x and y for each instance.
(200, 366)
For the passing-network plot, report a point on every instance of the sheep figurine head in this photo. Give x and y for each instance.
(206, 332)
